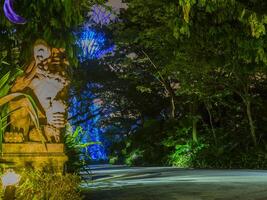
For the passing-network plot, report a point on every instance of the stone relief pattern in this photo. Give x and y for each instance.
(46, 80)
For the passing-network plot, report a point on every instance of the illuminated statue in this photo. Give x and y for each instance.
(47, 82)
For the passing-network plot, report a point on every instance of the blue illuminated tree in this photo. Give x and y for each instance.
(85, 112)
(85, 108)
(93, 44)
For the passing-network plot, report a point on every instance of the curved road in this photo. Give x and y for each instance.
(168, 183)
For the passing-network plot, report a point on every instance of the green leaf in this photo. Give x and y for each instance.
(4, 80)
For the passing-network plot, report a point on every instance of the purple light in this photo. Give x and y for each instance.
(100, 15)
(11, 14)
(93, 42)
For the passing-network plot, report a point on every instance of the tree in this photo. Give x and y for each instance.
(206, 57)
(54, 21)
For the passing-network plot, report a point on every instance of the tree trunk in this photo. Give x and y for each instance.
(194, 131)
(173, 108)
(211, 124)
(194, 121)
(166, 84)
(251, 123)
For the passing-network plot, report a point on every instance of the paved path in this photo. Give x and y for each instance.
(167, 183)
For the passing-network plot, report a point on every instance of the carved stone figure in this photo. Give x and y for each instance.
(46, 81)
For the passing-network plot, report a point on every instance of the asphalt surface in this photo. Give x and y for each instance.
(107, 182)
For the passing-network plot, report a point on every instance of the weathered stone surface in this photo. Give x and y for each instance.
(46, 81)
(30, 147)
(34, 155)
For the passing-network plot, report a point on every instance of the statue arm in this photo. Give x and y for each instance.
(23, 81)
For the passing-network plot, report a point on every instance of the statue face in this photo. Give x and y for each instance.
(41, 52)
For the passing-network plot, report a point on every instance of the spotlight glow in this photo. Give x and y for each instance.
(90, 125)
(10, 178)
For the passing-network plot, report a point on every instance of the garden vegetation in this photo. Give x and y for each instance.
(186, 85)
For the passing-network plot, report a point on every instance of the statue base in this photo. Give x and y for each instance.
(49, 157)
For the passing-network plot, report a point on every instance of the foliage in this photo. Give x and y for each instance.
(4, 88)
(198, 70)
(113, 160)
(76, 150)
(6, 96)
(135, 157)
(42, 186)
(185, 155)
(54, 21)
(138, 149)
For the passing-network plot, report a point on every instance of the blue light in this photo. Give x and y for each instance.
(96, 151)
(90, 124)
(93, 44)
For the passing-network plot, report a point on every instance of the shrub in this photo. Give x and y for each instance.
(36, 185)
(113, 160)
(134, 158)
(186, 155)
(76, 149)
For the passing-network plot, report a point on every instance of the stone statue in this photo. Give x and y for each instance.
(46, 81)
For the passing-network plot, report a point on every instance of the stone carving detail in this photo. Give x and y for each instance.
(46, 80)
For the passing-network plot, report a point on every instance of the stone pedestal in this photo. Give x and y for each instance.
(49, 157)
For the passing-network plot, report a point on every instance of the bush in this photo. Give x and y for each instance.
(113, 160)
(185, 155)
(77, 150)
(36, 185)
(144, 147)
(134, 158)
